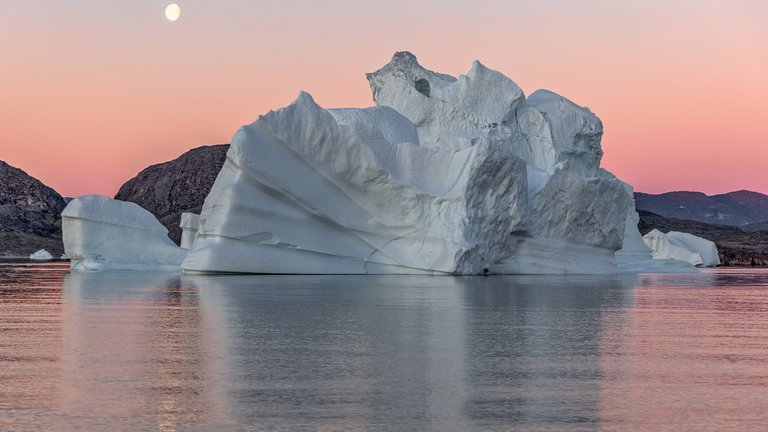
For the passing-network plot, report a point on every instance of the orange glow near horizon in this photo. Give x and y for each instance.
(93, 92)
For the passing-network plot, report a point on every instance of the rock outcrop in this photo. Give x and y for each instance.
(29, 214)
(168, 189)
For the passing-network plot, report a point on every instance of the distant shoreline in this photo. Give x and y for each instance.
(27, 259)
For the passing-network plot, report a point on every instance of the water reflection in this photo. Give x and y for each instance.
(692, 354)
(167, 352)
(139, 351)
(444, 353)
(364, 351)
(533, 344)
(30, 344)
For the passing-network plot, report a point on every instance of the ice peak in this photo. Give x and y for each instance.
(304, 98)
(404, 57)
(403, 63)
(477, 67)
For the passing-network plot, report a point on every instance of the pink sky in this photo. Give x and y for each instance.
(94, 91)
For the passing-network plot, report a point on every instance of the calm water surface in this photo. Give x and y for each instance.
(144, 351)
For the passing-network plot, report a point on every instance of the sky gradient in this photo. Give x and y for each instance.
(92, 92)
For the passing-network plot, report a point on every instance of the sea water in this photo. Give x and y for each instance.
(160, 351)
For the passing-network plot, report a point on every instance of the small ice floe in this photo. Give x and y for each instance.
(41, 255)
(682, 247)
(101, 233)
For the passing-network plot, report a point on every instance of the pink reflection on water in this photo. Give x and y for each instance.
(691, 354)
(151, 356)
(30, 344)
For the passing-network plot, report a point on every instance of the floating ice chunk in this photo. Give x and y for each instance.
(41, 255)
(102, 233)
(683, 247)
(188, 225)
(636, 257)
(441, 177)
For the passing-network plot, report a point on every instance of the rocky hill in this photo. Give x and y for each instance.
(738, 208)
(752, 204)
(171, 188)
(737, 247)
(29, 214)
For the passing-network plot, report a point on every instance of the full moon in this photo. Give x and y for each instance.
(172, 12)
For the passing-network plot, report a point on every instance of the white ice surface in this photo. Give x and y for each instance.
(446, 176)
(438, 178)
(557, 130)
(307, 190)
(683, 247)
(102, 233)
(188, 225)
(41, 255)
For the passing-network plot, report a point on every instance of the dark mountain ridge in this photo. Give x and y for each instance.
(738, 208)
(30, 214)
(752, 204)
(170, 188)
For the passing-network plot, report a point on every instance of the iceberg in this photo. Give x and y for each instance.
(41, 255)
(188, 225)
(445, 176)
(682, 247)
(101, 233)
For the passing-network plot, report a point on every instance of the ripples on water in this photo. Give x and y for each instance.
(144, 351)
